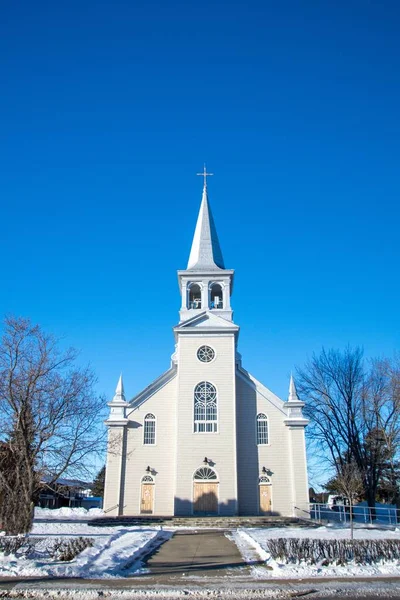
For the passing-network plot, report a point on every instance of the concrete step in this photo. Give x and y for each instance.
(211, 522)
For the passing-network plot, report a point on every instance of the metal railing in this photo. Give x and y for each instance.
(106, 510)
(381, 515)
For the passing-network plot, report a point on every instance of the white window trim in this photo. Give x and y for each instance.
(210, 286)
(197, 421)
(189, 285)
(155, 429)
(264, 480)
(149, 479)
(205, 480)
(210, 361)
(268, 443)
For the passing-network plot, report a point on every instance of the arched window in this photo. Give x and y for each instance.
(216, 296)
(194, 296)
(147, 479)
(205, 474)
(205, 408)
(149, 434)
(262, 429)
(263, 480)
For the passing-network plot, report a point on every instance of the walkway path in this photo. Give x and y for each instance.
(200, 553)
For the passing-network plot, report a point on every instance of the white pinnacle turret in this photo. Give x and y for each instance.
(118, 406)
(119, 391)
(293, 397)
(294, 407)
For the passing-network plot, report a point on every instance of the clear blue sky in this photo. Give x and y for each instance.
(108, 110)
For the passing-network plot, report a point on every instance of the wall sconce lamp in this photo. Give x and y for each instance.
(264, 470)
(206, 461)
(148, 470)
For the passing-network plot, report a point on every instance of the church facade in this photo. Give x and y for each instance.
(206, 437)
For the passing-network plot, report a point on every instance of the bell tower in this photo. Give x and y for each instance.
(205, 284)
(206, 340)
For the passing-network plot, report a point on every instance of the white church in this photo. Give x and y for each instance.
(206, 437)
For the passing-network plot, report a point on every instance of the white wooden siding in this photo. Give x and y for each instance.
(112, 486)
(219, 447)
(275, 457)
(179, 451)
(159, 457)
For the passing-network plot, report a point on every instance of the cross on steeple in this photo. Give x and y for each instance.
(205, 175)
(206, 252)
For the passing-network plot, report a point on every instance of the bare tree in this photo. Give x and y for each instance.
(354, 412)
(348, 482)
(49, 418)
(380, 427)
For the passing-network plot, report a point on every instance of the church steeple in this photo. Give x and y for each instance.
(206, 251)
(205, 285)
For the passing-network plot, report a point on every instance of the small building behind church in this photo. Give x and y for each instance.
(206, 437)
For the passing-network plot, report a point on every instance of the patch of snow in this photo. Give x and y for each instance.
(249, 540)
(332, 531)
(254, 543)
(67, 513)
(70, 528)
(122, 552)
(116, 552)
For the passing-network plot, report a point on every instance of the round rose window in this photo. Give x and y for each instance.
(205, 354)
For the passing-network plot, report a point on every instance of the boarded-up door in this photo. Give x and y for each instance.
(265, 499)
(146, 504)
(205, 498)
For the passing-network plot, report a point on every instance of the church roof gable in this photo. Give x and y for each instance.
(151, 389)
(261, 389)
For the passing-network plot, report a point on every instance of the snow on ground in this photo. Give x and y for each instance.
(118, 557)
(67, 513)
(116, 551)
(253, 542)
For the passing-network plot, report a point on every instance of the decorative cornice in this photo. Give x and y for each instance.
(296, 423)
(207, 275)
(206, 322)
(116, 423)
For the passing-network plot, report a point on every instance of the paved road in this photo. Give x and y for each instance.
(202, 589)
(64, 589)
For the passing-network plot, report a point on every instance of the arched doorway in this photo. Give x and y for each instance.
(265, 496)
(205, 492)
(147, 495)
